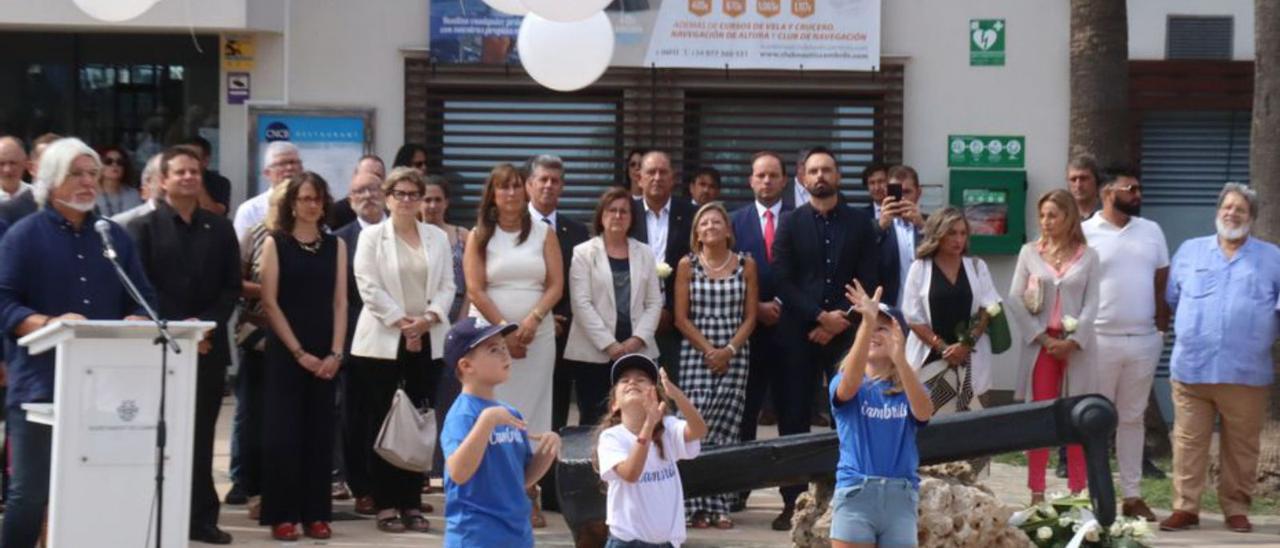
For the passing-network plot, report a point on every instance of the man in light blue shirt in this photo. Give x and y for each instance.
(1225, 291)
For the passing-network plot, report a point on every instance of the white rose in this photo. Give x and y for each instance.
(1044, 533)
(1116, 530)
(1064, 522)
(664, 270)
(1070, 324)
(1050, 511)
(1141, 528)
(994, 309)
(1092, 535)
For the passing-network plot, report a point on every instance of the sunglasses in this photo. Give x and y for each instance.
(113, 161)
(1129, 188)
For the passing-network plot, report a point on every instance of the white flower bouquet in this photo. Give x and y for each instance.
(1066, 521)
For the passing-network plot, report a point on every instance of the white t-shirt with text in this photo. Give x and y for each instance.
(651, 509)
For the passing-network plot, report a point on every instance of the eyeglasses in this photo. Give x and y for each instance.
(367, 191)
(309, 200)
(113, 161)
(406, 196)
(289, 162)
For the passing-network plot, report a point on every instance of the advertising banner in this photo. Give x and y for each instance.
(330, 143)
(736, 34)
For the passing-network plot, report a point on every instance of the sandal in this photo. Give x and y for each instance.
(415, 522)
(722, 521)
(700, 520)
(390, 525)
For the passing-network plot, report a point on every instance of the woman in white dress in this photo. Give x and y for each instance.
(514, 274)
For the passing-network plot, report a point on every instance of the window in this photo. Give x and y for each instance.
(1189, 37)
(473, 117)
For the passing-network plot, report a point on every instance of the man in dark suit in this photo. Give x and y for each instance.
(755, 228)
(665, 225)
(795, 194)
(369, 206)
(820, 247)
(544, 184)
(898, 224)
(344, 210)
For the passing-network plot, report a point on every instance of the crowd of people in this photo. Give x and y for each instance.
(673, 322)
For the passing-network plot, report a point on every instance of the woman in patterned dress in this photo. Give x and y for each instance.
(715, 292)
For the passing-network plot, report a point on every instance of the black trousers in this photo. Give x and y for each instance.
(211, 380)
(373, 386)
(795, 383)
(767, 357)
(591, 382)
(297, 445)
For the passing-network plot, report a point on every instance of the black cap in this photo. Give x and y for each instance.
(634, 361)
(468, 334)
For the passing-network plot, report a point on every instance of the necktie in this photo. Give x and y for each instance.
(768, 235)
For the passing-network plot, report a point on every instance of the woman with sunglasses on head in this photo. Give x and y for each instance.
(118, 191)
(404, 271)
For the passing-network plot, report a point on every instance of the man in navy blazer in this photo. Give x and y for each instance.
(820, 247)
(368, 204)
(795, 193)
(898, 224)
(665, 224)
(755, 227)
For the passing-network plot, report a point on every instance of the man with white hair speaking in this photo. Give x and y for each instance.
(51, 269)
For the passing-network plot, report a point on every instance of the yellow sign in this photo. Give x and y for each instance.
(237, 52)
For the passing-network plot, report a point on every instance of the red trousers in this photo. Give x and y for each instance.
(1046, 384)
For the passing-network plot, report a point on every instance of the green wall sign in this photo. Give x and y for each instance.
(986, 42)
(987, 151)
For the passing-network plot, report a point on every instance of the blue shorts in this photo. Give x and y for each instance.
(880, 511)
(615, 542)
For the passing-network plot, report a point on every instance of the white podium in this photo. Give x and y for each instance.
(104, 415)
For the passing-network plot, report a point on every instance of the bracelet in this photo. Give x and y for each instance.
(732, 348)
(642, 440)
(539, 314)
(337, 355)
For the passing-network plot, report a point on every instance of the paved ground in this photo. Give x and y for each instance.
(752, 525)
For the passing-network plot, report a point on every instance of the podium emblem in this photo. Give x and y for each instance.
(127, 411)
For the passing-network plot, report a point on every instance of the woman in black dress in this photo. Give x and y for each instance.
(305, 299)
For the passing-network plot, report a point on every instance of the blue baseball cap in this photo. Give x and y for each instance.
(634, 361)
(896, 314)
(468, 334)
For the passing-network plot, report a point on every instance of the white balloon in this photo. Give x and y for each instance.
(565, 56)
(115, 11)
(566, 11)
(509, 7)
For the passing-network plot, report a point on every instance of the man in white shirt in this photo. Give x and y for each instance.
(665, 225)
(13, 162)
(280, 162)
(1134, 261)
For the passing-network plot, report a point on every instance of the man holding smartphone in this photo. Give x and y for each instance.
(895, 198)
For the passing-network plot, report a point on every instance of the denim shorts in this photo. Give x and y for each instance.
(615, 542)
(880, 511)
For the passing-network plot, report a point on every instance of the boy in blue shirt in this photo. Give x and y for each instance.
(489, 461)
(878, 403)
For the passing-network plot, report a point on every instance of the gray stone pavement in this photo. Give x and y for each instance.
(752, 530)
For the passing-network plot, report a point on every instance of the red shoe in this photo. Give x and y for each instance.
(319, 530)
(284, 531)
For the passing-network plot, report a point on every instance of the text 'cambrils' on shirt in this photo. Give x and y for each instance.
(490, 509)
(651, 509)
(877, 434)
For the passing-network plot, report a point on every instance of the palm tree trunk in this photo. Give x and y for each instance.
(1100, 81)
(1264, 173)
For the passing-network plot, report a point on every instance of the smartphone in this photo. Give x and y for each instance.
(895, 191)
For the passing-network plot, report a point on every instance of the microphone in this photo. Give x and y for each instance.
(104, 229)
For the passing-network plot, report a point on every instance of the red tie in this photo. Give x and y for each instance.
(768, 235)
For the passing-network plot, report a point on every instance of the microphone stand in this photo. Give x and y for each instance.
(165, 341)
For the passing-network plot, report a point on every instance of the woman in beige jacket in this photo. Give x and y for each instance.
(1054, 301)
(404, 271)
(613, 288)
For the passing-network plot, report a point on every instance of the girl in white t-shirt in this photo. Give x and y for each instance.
(637, 450)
